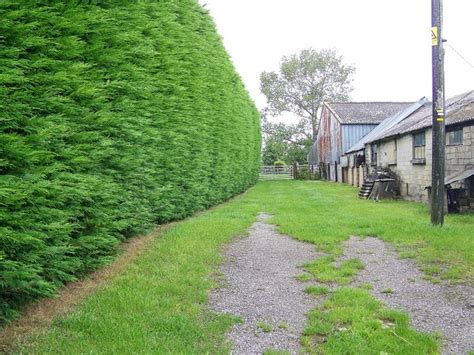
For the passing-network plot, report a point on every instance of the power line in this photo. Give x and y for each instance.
(460, 55)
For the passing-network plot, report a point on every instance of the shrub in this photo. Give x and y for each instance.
(306, 174)
(279, 163)
(114, 116)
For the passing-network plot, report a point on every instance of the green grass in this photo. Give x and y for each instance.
(350, 321)
(157, 305)
(305, 277)
(324, 270)
(327, 214)
(316, 290)
(275, 352)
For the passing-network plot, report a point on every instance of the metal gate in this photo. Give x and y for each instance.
(278, 172)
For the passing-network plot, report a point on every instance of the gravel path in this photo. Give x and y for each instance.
(260, 271)
(432, 307)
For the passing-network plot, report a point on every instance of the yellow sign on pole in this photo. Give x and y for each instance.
(440, 113)
(434, 36)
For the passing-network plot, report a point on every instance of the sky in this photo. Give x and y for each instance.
(388, 42)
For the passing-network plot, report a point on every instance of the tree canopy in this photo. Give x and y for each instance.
(304, 81)
(286, 142)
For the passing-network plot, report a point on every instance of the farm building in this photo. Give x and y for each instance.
(341, 126)
(396, 138)
(405, 149)
(353, 160)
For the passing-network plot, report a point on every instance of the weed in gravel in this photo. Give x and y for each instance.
(432, 279)
(275, 352)
(304, 277)
(324, 269)
(316, 290)
(283, 325)
(432, 270)
(407, 254)
(387, 290)
(352, 321)
(264, 326)
(452, 273)
(366, 286)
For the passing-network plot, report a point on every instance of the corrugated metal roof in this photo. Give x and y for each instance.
(459, 176)
(458, 109)
(387, 124)
(365, 112)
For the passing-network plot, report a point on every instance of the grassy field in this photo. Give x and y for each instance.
(158, 304)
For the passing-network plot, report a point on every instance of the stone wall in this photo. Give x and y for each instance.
(414, 178)
(460, 157)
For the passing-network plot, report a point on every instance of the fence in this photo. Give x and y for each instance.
(276, 172)
(282, 172)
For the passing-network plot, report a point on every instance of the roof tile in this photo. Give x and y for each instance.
(458, 109)
(366, 112)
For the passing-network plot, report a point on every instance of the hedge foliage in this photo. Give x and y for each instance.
(114, 116)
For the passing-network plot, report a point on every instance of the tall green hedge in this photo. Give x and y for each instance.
(114, 116)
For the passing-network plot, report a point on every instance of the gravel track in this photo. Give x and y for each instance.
(432, 307)
(260, 273)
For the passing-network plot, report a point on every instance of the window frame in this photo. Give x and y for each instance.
(453, 130)
(394, 152)
(373, 154)
(418, 160)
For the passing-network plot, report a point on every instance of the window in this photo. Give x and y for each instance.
(373, 154)
(419, 148)
(454, 137)
(391, 152)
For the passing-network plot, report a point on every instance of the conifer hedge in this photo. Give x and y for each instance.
(114, 116)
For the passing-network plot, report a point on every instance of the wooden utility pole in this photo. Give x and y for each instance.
(438, 139)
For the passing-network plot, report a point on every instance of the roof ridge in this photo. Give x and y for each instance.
(451, 109)
(328, 105)
(387, 124)
(370, 102)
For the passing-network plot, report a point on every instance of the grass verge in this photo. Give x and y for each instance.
(157, 304)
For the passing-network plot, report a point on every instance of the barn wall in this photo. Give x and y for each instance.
(329, 137)
(351, 134)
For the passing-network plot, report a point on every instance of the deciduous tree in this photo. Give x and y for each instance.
(304, 81)
(287, 142)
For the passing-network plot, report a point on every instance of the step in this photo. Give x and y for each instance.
(366, 189)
